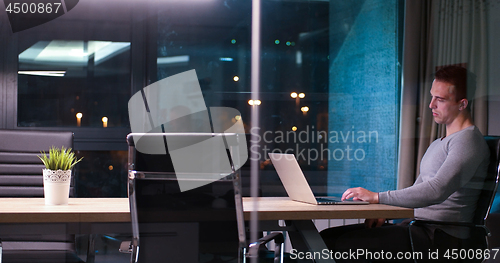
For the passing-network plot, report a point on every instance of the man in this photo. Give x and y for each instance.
(452, 172)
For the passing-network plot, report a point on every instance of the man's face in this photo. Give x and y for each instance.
(445, 107)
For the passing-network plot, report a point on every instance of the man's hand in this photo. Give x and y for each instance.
(371, 222)
(359, 193)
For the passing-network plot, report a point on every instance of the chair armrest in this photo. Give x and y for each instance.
(276, 236)
(443, 223)
(279, 239)
(126, 247)
(448, 223)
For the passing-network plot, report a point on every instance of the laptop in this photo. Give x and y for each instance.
(296, 185)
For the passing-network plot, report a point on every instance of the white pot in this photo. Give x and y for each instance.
(56, 186)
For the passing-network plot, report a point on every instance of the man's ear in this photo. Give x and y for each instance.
(463, 104)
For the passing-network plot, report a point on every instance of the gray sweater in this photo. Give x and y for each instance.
(451, 177)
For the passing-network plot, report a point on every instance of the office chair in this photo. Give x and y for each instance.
(20, 168)
(21, 176)
(493, 224)
(478, 230)
(201, 224)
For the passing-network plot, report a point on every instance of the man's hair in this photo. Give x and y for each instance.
(457, 76)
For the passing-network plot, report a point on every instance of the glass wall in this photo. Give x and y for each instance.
(75, 73)
(329, 87)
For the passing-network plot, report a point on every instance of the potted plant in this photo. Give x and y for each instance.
(57, 174)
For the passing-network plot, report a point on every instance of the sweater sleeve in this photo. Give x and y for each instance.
(464, 154)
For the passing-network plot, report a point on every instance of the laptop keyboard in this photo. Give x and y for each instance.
(328, 200)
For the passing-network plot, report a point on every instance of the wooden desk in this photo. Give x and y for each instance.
(109, 210)
(283, 208)
(79, 210)
(302, 231)
(108, 215)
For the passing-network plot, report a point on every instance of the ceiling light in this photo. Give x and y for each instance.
(47, 73)
(172, 60)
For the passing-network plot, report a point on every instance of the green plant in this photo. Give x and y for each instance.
(63, 159)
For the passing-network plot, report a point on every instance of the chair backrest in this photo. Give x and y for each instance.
(145, 162)
(204, 220)
(491, 181)
(208, 153)
(209, 211)
(20, 168)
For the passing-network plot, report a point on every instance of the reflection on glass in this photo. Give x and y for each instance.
(59, 78)
(79, 119)
(101, 174)
(341, 53)
(104, 122)
(295, 45)
(64, 53)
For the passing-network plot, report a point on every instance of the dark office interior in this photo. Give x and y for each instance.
(342, 84)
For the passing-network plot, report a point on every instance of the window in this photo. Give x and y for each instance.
(329, 87)
(74, 83)
(75, 73)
